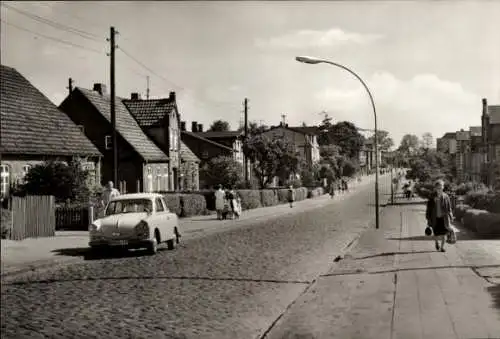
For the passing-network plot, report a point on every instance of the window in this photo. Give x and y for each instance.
(81, 128)
(159, 205)
(165, 178)
(26, 169)
(158, 179)
(107, 142)
(4, 180)
(150, 170)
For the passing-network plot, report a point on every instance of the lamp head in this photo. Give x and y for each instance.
(308, 60)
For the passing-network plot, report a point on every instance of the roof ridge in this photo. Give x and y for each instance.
(207, 140)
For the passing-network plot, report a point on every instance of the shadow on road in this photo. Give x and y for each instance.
(88, 254)
(461, 236)
(495, 294)
(386, 254)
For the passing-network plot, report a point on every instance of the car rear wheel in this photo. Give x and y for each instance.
(177, 235)
(171, 244)
(153, 246)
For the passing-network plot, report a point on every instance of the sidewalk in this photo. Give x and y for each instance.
(394, 284)
(34, 253)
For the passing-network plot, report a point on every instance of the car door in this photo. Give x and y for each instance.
(162, 219)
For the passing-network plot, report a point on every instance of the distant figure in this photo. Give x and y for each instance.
(439, 214)
(219, 201)
(109, 193)
(332, 189)
(291, 195)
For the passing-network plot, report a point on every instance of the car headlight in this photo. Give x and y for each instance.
(142, 229)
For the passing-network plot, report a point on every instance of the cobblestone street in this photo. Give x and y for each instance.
(231, 284)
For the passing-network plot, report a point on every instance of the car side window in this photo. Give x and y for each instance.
(164, 205)
(159, 205)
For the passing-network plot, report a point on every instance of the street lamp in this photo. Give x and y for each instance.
(312, 60)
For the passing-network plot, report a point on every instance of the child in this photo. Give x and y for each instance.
(291, 195)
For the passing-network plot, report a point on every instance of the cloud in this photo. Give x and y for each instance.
(424, 103)
(314, 38)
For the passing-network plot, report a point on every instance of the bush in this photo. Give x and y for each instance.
(470, 218)
(468, 187)
(300, 193)
(6, 223)
(173, 201)
(282, 195)
(315, 192)
(488, 223)
(483, 200)
(192, 204)
(250, 199)
(460, 211)
(269, 197)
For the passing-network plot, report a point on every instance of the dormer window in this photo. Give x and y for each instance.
(107, 142)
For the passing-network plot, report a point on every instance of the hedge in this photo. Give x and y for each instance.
(300, 193)
(250, 199)
(483, 200)
(192, 204)
(315, 192)
(482, 221)
(173, 202)
(269, 197)
(6, 223)
(460, 211)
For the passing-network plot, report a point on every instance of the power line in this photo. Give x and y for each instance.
(94, 23)
(56, 25)
(52, 38)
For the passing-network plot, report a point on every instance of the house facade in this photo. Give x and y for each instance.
(160, 120)
(34, 130)
(142, 165)
(305, 140)
(448, 143)
(490, 123)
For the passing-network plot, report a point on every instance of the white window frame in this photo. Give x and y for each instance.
(26, 169)
(82, 128)
(4, 179)
(107, 142)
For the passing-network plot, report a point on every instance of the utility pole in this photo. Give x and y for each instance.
(245, 166)
(70, 85)
(112, 106)
(147, 90)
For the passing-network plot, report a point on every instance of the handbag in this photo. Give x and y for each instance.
(451, 238)
(428, 231)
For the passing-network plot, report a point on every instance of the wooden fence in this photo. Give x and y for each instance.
(33, 216)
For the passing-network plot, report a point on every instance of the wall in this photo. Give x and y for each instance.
(156, 177)
(190, 176)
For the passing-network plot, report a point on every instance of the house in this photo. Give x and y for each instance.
(34, 130)
(305, 140)
(232, 139)
(490, 125)
(160, 120)
(448, 143)
(366, 156)
(142, 165)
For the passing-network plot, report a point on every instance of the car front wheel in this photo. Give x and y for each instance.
(153, 247)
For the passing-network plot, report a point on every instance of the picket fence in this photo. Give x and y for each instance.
(32, 217)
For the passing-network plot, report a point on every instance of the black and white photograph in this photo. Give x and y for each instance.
(250, 169)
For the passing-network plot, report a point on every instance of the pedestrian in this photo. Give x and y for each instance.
(219, 201)
(332, 189)
(439, 214)
(109, 193)
(291, 195)
(231, 197)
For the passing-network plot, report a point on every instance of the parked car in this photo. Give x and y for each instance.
(139, 220)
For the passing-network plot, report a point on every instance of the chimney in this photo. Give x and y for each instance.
(200, 127)
(135, 96)
(100, 88)
(183, 125)
(194, 127)
(485, 106)
(171, 96)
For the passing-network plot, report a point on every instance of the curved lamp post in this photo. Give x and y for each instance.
(312, 60)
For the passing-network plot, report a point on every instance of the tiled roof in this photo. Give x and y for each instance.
(125, 125)
(149, 112)
(221, 134)
(309, 130)
(195, 135)
(187, 155)
(32, 125)
(494, 112)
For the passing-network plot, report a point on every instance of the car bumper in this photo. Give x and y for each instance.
(120, 243)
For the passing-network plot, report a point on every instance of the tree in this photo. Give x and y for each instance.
(222, 170)
(384, 141)
(325, 128)
(220, 126)
(254, 128)
(58, 179)
(346, 135)
(409, 144)
(427, 140)
(270, 158)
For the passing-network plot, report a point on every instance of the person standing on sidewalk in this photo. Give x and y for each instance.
(219, 201)
(109, 193)
(439, 214)
(291, 195)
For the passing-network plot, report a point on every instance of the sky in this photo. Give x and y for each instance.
(428, 64)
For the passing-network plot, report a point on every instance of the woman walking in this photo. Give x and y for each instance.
(439, 214)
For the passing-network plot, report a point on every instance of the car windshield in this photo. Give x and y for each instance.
(129, 206)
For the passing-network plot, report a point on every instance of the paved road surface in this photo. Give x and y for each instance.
(232, 284)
